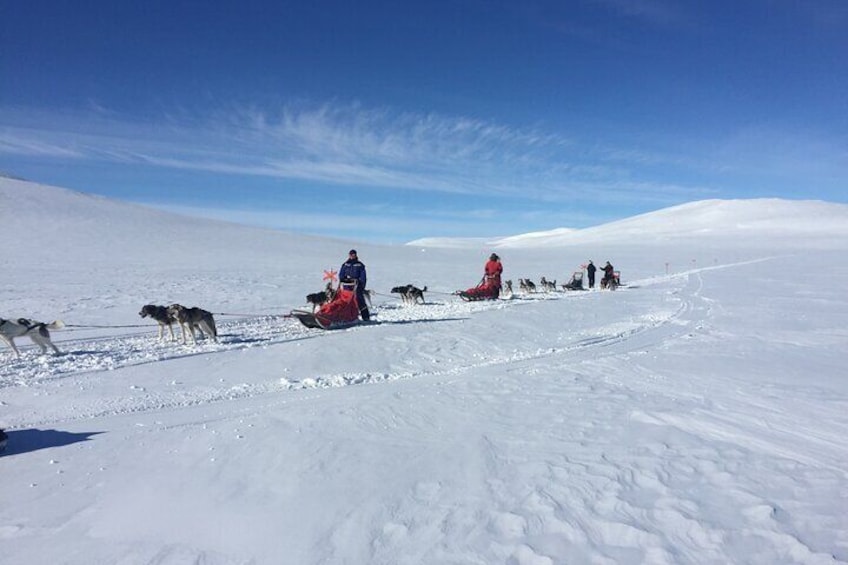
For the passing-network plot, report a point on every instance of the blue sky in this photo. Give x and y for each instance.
(386, 121)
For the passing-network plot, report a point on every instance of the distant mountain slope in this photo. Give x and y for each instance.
(51, 222)
(706, 220)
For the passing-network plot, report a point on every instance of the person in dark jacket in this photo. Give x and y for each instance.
(609, 275)
(354, 270)
(590, 270)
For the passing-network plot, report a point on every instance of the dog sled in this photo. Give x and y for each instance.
(576, 282)
(482, 291)
(341, 312)
(612, 283)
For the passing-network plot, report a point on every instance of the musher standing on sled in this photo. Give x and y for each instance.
(493, 270)
(354, 270)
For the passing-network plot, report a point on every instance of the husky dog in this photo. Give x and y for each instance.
(318, 299)
(547, 285)
(194, 318)
(506, 288)
(400, 290)
(410, 294)
(162, 316)
(527, 285)
(38, 332)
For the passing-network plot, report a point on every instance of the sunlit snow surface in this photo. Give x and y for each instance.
(697, 415)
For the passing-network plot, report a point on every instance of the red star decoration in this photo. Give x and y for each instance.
(330, 275)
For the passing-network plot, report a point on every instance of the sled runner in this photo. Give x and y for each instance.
(311, 320)
(341, 312)
(480, 292)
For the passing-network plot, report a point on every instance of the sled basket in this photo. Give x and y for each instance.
(480, 292)
(576, 282)
(342, 311)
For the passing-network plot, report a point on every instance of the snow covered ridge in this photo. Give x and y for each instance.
(66, 225)
(703, 220)
(92, 218)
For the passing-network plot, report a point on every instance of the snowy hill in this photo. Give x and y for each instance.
(114, 229)
(70, 222)
(704, 221)
(699, 414)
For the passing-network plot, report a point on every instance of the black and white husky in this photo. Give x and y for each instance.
(38, 332)
(194, 318)
(410, 294)
(162, 316)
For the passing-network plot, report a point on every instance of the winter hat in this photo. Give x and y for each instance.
(352, 252)
(494, 257)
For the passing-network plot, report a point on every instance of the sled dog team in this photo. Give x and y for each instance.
(189, 320)
(195, 319)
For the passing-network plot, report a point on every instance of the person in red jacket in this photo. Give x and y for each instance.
(493, 270)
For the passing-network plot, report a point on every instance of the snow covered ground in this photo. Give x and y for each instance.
(697, 415)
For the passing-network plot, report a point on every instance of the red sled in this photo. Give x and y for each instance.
(480, 292)
(341, 312)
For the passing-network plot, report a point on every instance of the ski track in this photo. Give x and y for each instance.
(85, 356)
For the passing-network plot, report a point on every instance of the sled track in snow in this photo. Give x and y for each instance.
(84, 357)
(639, 334)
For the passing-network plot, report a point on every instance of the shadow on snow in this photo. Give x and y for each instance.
(26, 441)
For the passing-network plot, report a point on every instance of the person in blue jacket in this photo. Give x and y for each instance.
(354, 270)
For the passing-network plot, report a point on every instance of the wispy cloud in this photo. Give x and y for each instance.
(19, 143)
(404, 175)
(346, 145)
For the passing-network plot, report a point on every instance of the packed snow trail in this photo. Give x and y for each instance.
(91, 374)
